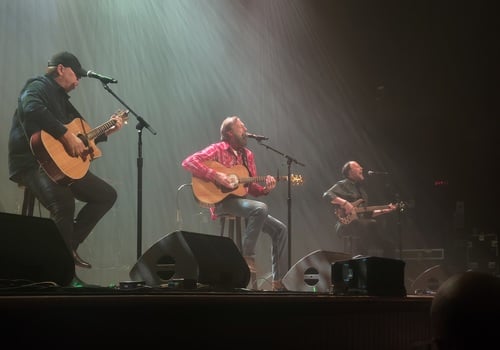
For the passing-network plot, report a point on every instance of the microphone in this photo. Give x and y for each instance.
(257, 137)
(371, 172)
(104, 79)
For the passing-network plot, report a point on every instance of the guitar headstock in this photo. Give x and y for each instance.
(296, 180)
(122, 114)
(401, 206)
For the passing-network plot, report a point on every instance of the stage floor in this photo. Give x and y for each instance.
(233, 319)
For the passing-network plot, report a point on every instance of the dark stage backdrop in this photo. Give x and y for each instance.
(403, 88)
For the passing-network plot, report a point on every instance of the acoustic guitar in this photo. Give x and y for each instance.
(207, 193)
(59, 165)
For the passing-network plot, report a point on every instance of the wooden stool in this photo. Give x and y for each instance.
(28, 202)
(234, 233)
(234, 222)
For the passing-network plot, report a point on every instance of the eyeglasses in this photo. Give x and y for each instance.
(76, 75)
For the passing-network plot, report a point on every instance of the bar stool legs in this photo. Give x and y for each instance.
(234, 233)
(28, 202)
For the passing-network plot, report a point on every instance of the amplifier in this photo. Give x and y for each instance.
(482, 253)
(422, 254)
(369, 276)
(419, 261)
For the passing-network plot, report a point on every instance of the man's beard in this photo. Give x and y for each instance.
(241, 141)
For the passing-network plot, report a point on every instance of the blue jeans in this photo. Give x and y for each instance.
(259, 220)
(59, 200)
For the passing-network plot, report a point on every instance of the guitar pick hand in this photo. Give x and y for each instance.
(227, 180)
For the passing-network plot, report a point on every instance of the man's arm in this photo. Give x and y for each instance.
(335, 195)
(254, 188)
(378, 212)
(34, 114)
(194, 163)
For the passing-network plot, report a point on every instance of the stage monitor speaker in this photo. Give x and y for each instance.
(429, 281)
(369, 276)
(32, 249)
(313, 273)
(207, 259)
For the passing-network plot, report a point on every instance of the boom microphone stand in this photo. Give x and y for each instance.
(141, 124)
(289, 161)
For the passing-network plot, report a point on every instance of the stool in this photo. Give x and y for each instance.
(235, 236)
(234, 222)
(28, 202)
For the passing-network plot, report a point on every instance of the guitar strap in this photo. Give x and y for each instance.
(359, 190)
(362, 195)
(245, 160)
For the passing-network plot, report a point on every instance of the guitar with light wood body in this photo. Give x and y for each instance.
(207, 193)
(57, 163)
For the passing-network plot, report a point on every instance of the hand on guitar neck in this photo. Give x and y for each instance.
(387, 209)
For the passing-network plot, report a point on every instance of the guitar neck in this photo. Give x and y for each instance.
(372, 208)
(260, 179)
(101, 129)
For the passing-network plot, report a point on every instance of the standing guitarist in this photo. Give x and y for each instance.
(349, 199)
(231, 152)
(44, 106)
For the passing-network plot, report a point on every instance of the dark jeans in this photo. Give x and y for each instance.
(368, 236)
(59, 200)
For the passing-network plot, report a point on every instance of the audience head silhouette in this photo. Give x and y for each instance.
(465, 312)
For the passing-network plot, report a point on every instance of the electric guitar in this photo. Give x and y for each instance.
(207, 193)
(59, 165)
(346, 219)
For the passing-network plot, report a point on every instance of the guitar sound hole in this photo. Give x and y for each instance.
(84, 139)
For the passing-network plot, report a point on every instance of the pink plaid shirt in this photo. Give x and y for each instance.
(222, 153)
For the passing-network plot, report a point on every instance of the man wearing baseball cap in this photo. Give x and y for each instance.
(44, 105)
(68, 60)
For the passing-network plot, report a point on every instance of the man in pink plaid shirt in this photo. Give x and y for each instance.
(229, 152)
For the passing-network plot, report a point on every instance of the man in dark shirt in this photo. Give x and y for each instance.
(43, 105)
(350, 201)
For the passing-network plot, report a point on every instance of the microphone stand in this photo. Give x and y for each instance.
(141, 124)
(179, 220)
(400, 209)
(289, 161)
(399, 228)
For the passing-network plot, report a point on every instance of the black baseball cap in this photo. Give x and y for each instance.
(68, 60)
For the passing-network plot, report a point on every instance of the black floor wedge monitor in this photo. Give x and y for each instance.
(32, 249)
(206, 259)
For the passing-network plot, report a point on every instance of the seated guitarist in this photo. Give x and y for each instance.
(44, 105)
(231, 151)
(344, 195)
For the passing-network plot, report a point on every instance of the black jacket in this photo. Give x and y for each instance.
(42, 104)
